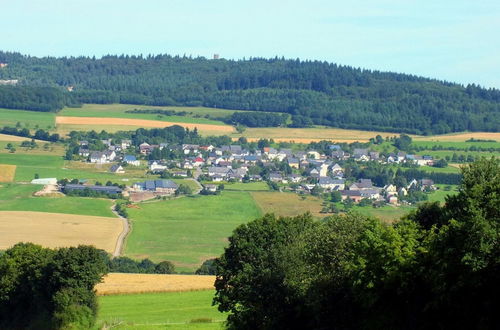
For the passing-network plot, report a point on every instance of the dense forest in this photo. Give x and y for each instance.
(436, 268)
(311, 91)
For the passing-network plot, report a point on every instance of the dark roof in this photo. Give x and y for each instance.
(105, 189)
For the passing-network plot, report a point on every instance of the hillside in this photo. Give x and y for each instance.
(312, 92)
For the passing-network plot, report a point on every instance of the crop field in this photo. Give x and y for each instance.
(187, 231)
(430, 144)
(7, 173)
(29, 119)
(19, 197)
(287, 204)
(460, 137)
(58, 230)
(307, 135)
(121, 283)
(170, 310)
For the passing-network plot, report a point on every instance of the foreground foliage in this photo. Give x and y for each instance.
(437, 268)
(49, 289)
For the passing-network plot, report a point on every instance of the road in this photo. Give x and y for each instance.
(121, 238)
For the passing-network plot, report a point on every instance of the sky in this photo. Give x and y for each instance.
(457, 41)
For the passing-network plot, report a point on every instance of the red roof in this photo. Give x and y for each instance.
(198, 159)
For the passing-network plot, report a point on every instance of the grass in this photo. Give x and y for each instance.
(121, 283)
(444, 153)
(158, 310)
(19, 197)
(447, 169)
(58, 230)
(460, 137)
(250, 186)
(7, 173)
(187, 231)
(287, 204)
(440, 194)
(386, 213)
(456, 144)
(29, 119)
(120, 111)
(50, 149)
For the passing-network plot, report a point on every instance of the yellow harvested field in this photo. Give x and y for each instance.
(93, 121)
(460, 137)
(307, 135)
(13, 138)
(119, 283)
(287, 204)
(7, 173)
(58, 230)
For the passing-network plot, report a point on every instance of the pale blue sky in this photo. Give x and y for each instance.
(452, 40)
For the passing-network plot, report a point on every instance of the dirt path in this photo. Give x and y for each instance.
(121, 238)
(200, 187)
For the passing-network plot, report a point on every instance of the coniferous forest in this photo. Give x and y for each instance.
(312, 92)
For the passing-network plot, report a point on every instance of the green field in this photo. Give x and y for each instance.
(443, 153)
(16, 197)
(29, 119)
(250, 186)
(447, 169)
(188, 230)
(440, 194)
(195, 114)
(385, 213)
(172, 310)
(461, 145)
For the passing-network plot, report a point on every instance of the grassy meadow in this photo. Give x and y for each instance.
(19, 197)
(189, 230)
(29, 119)
(287, 204)
(171, 310)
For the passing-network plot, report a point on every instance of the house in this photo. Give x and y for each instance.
(355, 195)
(331, 184)
(198, 161)
(84, 151)
(52, 181)
(235, 150)
(210, 187)
(221, 171)
(313, 154)
(98, 157)
(293, 162)
(112, 190)
(106, 142)
(145, 148)
(275, 177)
(155, 166)
(338, 154)
(361, 184)
(390, 189)
(392, 199)
(374, 155)
(427, 184)
(117, 168)
(125, 144)
(372, 193)
(337, 170)
(402, 191)
(295, 178)
(131, 160)
(190, 148)
(314, 173)
(110, 155)
(181, 174)
(160, 186)
(323, 169)
(412, 185)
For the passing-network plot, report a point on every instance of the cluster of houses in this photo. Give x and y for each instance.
(233, 163)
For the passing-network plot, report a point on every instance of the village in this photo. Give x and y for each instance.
(284, 169)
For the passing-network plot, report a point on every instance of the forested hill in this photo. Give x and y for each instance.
(311, 91)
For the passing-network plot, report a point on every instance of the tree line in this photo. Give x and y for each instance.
(320, 92)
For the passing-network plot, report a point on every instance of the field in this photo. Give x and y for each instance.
(44, 148)
(187, 231)
(29, 119)
(461, 137)
(58, 230)
(307, 135)
(456, 144)
(287, 204)
(7, 173)
(250, 186)
(121, 283)
(19, 197)
(386, 213)
(171, 310)
(120, 111)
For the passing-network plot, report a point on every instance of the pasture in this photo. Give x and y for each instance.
(43, 148)
(249, 186)
(189, 230)
(386, 213)
(28, 119)
(7, 173)
(120, 111)
(460, 137)
(287, 204)
(58, 230)
(171, 310)
(19, 197)
(121, 283)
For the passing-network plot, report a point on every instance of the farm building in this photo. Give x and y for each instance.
(161, 186)
(44, 181)
(102, 189)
